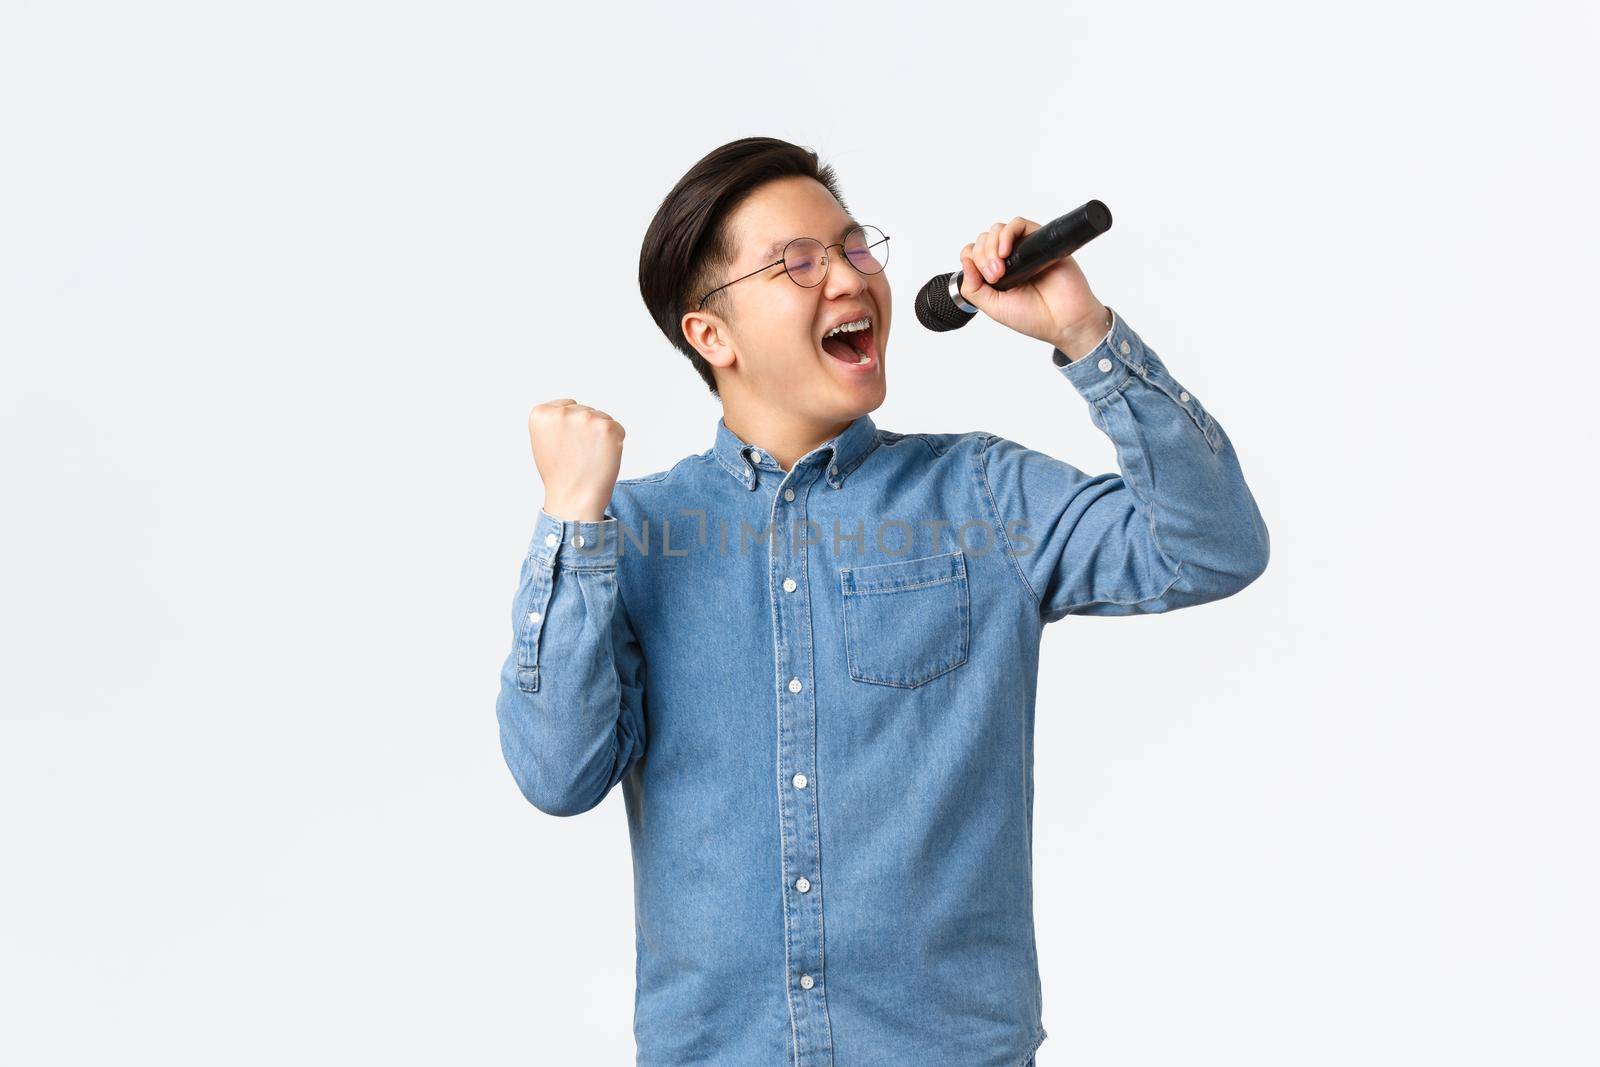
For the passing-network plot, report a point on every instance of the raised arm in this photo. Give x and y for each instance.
(1177, 526)
(572, 694)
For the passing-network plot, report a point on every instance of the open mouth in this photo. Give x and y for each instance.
(854, 348)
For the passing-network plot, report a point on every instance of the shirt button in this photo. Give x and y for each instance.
(788, 585)
(799, 781)
(533, 616)
(551, 539)
(806, 982)
(1125, 347)
(802, 885)
(833, 470)
(1104, 364)
(1184, 397)
(794, 685)
(578, 541)
(788, 494)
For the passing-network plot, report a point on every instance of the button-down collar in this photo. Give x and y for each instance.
(841, 453)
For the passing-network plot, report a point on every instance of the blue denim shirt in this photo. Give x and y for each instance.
(817, 688)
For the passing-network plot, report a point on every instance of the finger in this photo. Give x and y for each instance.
(983, 254)
(972, 288)
(1017, 227)
(996, 268)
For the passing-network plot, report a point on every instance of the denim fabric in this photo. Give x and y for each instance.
(817, 689)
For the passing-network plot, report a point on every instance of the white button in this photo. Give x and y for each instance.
(578, 541)
(799, 781)
(1126, 348)
(1104, 364)
(533, 616)
(551, 539)
(833, 470)
(806, 982)
(802, 885)
(755, 454)
(794, 685)
(788, 494)
(1183, 397)
(788, 585)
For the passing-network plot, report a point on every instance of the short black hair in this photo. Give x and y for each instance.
(687, 249)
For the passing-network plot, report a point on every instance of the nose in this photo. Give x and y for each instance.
(843, 279)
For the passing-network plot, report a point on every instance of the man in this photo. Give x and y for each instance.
(809, 653)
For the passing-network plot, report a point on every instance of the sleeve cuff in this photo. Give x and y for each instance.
(574, 543)
(1119, 356)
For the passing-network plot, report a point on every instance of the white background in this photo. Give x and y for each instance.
(279, 282)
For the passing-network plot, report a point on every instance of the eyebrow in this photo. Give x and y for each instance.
(777, 246)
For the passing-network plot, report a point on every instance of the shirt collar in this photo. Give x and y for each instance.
(841, 453)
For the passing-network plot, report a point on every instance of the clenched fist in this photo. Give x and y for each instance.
(578, 450)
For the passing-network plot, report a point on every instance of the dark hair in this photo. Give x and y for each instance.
(687, 249)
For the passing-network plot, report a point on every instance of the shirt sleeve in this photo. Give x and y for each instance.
(1176, 526)
(572, 699)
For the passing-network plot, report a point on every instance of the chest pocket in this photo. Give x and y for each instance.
(906, 622)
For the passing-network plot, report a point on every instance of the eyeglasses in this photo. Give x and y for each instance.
(805, 259)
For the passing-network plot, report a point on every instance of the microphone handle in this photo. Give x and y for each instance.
(1055, 240)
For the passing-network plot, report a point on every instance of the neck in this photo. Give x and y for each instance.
(783, 435)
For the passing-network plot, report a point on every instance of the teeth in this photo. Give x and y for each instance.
(848, 327)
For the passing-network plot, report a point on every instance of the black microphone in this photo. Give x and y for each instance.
(940, 305)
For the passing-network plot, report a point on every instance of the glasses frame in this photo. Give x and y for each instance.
(827, 262)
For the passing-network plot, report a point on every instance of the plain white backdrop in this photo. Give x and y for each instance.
(279, 283)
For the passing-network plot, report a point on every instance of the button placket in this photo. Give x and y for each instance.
(789, 591)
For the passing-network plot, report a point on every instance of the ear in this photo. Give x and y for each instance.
(709, 335)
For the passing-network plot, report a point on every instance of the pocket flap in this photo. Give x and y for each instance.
(903, 573)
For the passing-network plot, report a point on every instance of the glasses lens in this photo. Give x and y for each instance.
(803, 260)
(867, 248)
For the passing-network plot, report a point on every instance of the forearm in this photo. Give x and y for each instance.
(567, 709)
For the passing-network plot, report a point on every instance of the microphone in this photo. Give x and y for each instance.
(940, 305)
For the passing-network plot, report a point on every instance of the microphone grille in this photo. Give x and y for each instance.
(936, 309)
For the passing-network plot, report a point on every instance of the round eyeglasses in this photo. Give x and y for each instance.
(805, 259)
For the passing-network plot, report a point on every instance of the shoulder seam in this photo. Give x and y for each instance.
(891, 436)
(658, 475)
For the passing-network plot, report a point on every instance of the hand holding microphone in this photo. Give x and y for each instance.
(1023, 276)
